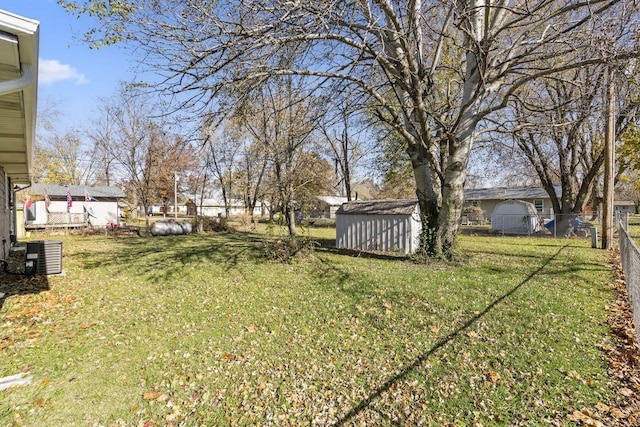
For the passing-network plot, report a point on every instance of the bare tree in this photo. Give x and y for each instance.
(558, 132)
(103, 135)
(283, 118)
(252, 169)
(136, 152)
(432, 70)
(222, 156)
(343, 132)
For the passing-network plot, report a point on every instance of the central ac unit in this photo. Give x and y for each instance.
(44, 257)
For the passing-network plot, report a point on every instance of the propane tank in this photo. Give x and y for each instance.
(167, 228)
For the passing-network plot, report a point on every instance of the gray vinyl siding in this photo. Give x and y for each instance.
(5, 212)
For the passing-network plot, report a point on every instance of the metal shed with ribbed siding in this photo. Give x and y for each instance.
(379, 225)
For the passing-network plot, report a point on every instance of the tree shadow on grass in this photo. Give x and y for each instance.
(418, 362)
(154, 256)
(19, 284)
(329, 245)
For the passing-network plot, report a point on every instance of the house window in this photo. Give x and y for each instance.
(475, 203)
(539, 205)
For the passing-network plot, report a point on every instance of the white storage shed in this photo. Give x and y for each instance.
(381, 225)
(515, 217)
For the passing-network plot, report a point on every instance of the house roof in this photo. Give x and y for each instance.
(218, 203)
(55, 190)
(332, 200)
(507, 193)
(207, 203)
(19, 40)
(379, 207)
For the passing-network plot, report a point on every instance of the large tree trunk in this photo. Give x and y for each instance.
(441, 196)
(453, 193)
(440, 221)
(428, 200)
(290, 216)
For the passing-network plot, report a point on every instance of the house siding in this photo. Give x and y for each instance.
(488, 198)
(100, 213)
(214, 208)
(5, 212)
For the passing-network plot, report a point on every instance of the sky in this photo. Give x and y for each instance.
(72, 78)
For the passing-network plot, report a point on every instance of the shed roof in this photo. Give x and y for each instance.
(55, 190)
(508, 193)
(379, 207)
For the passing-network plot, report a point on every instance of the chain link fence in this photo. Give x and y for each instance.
(631, 265)
(560, 225)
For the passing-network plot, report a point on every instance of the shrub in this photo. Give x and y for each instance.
(288, 249)
(215, 224)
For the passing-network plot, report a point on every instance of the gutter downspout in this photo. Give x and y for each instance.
(25, 80)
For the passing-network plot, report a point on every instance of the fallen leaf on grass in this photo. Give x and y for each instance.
(585, 418)
(626, 392)
(573, 374)
(6, 342)
(617, 413)
(151, 395)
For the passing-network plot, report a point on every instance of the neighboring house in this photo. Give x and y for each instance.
(170, 210)
(47, 205)
(215, 207)
(488, 198)
(625, 207)
(18, 92)
(327, 206)
(382, 225)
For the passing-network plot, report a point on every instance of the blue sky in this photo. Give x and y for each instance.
(72, 77)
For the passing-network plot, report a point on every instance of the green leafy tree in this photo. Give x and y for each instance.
(628, 161)
(59, 160)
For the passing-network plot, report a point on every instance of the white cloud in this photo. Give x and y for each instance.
(51, 71)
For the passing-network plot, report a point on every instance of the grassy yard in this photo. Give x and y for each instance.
(634, 232)
(203, 330)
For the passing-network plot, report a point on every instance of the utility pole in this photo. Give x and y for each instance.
(175, 195)
(609, 161)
